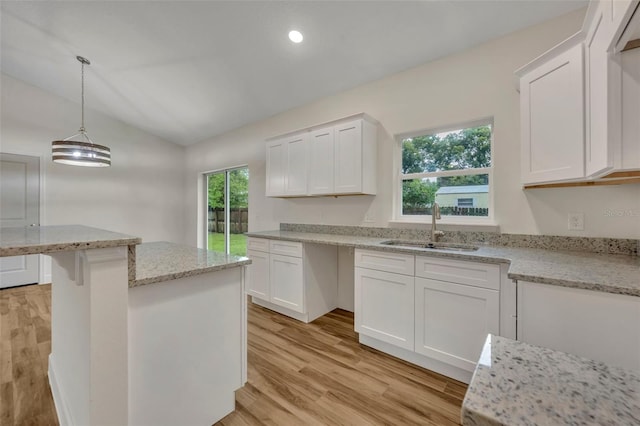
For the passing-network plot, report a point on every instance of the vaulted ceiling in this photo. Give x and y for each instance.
(190, 70)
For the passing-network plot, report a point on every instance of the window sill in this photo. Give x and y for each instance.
(484, 225)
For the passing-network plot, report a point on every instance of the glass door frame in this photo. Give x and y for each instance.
(227, 207)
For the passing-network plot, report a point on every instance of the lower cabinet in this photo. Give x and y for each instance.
(452, 321)
(592, 324)
(300, 281)
(384, 306)
(257, 282)
(435, 313)
(285, 276)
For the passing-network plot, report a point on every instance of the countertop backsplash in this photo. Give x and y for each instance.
(549, 242)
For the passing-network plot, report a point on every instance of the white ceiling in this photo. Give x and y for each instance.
(190, 70)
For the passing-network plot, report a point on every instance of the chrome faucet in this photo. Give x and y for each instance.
(435, 214)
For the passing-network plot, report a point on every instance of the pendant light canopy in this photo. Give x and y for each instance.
(79, 149)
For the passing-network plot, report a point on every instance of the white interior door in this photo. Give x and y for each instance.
(19, 206)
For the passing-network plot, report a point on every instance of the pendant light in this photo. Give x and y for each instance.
(79, 149)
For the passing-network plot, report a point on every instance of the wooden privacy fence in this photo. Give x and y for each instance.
(239, 220)
(448, 211)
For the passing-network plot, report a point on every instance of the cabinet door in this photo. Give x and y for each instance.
(348, 157)
(384, 306)
(258, 274)
(275, 168)
(321, 164)
(287, 283)
(592, 324)
(552, 119)
(600, 87)
(453, 320)
(295, 175)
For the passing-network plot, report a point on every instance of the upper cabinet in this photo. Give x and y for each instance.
(576, 99)
(552, 100)
(336, 158)
(287, 166)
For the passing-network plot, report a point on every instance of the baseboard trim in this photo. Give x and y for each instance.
(279, 309)
(62, 409)
(440, 367)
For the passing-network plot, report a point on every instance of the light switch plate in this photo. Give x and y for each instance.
(576, 222)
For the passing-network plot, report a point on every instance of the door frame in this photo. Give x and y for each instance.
(203, 204)
(44, 262)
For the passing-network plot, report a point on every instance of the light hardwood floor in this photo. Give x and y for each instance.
(299, 374)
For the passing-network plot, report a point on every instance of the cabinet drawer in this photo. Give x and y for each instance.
(259, 244)
(459, 271)
(285, 248)
(398, 263)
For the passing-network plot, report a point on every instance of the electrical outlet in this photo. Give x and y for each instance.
(576, 222)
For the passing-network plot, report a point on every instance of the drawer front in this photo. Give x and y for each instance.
(398, 263)
(285, 248)
(459, 271)
(259, 244)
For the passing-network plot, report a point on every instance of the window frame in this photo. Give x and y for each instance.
(203, 202)
(400, 177)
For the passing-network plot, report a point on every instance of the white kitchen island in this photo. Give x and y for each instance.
(138, 339)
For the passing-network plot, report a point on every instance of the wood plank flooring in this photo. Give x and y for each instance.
(299, 374)
(25, 344)
(318, 374)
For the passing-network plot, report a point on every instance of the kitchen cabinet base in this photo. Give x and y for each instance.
(417, 359)
(284, 311)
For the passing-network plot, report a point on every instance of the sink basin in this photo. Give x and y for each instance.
(430, 246)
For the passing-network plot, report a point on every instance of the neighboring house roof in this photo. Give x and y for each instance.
(470, 189)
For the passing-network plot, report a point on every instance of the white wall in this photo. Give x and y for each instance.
(474, 84)
(140, 194)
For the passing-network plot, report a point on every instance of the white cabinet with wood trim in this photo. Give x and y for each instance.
(579, 102)
(595, 325)
(340, 158)
(300, 281)
(552, 111)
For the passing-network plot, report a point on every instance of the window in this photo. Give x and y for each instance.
(465, 202)
(227, 210)
(450, 167)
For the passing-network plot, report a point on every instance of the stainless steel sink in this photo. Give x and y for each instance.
(430, 246)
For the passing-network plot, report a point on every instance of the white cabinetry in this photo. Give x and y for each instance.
(427, 310)
(321, 166)
(577, 100)
(258, 274)
(285, 275)
(384, 306)
(287, 166)
(602, 90)
(336, 158)
(596, 325)
(457, 303)
(552, 111)
(292, 279)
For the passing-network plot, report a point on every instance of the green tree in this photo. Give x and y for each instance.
(238, 189)
(417, 193)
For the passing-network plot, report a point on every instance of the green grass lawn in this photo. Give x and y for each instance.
(238, 243)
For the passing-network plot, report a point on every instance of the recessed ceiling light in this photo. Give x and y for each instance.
(295, 36)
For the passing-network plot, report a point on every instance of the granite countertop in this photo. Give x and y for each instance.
(50, 239)
(520, 384)
(592, 271)
(164, 261)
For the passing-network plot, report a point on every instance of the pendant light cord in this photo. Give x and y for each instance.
(82, 130)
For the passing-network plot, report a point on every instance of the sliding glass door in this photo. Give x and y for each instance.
(228, 210)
